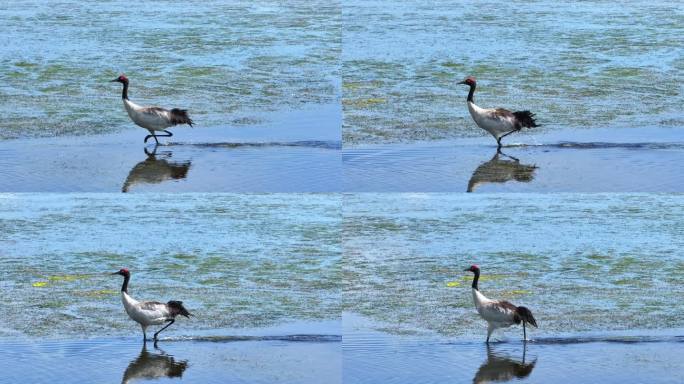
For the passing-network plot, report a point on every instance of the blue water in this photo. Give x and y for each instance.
(581, 262)
(235, 260)
(629, 357)
(598, 160)
(576, 65)
(264, 359)
(230, 64)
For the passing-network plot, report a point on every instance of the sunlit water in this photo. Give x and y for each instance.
(301, 153)
(235, 261)
(629, 357)
(602, 274)
(580, 262)
(228, 63)
(257, 359)
(576, 65)
(638, 160)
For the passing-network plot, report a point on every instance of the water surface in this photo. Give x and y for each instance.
(236, 261)
(581, 262)
(230, 64)
(577, 66)
(629, 357)
(602, 273)
(600, 160)
(301, 153)
(275, 358)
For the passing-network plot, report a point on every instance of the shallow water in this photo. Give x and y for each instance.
(278, 357)
(235, 260)
(587, 65)
(580, 262)
(603, 160)
(635, 357)
(301, 153)
(229, 64)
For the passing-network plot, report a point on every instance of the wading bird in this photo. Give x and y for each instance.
(499, 313)
(152, 118)
(148, 313)
(498, 122)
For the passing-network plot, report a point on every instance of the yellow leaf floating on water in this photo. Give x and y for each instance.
(519, 292)
(453, 284)
(39, 284)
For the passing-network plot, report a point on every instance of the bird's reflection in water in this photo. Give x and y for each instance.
(500, 368)
(153, 365)
(155, 169)
(500, 169)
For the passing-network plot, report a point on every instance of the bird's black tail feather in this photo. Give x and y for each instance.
(180, 116)
(526, 316)
(526, 119)
(177, 306)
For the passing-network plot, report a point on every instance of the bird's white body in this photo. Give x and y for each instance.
(150, 118)
(492, 120)
(494, 312)
(146, 313)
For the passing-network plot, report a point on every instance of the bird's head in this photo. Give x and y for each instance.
(473, 268)
(123, 272)
(121, 79)
(469, 81)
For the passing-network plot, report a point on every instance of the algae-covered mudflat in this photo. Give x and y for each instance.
(578, 66)
(260, 273)
(604, 80)
(260, 81)
(602, 273)
(228, 63)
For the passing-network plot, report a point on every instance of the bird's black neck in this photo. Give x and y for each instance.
(124, 287)
(124, 94)
(472, 91)
(477, 272)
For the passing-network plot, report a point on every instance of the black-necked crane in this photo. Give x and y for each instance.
(154, 119)
(499, 313)
(148, 313)
(498, 122)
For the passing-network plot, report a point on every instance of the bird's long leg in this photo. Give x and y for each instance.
(506, 134)
(490, 329)
(168, 134)
(166, 326)
(524, 332)
(151, 135)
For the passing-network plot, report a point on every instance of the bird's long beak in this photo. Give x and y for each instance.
(114, 273)
(466, 270)
(461, 82)
(114, 80)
